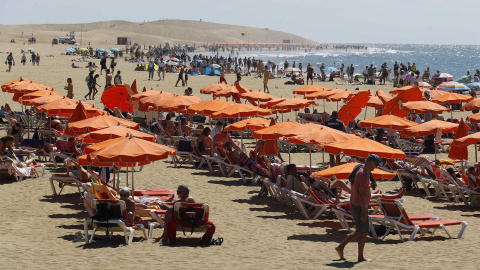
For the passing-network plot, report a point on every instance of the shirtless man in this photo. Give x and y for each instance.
(81, 173)
(183, 194)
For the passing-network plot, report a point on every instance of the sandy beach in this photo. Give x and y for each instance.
(259, 233)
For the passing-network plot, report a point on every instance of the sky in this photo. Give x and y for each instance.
(340, 21)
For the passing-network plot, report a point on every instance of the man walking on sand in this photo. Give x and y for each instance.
(361, 176)
(10, 61)
(309, 73)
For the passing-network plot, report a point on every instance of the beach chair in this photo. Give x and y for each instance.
(395, 217)
(35, 146)
(65, 149)
(21, 173)
(194, 156)
(193, 217)
(117, 221)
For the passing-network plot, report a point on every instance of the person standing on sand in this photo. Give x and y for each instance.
(10, 61)
(359, 201)
(113, 64)
(118, 78)
(222, 77)
(180, 77)
(69, 88)
(37, 60)
(266, 76)
(108, 78)
(33, 58)
(151, 70)
(309, 73)
(24, 59)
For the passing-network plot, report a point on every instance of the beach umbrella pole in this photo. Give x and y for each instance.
(476, 157)
(289, 146)
(127, 175)
(133, 187)
(310, 150)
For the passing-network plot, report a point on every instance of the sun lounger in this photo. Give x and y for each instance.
(119, 223)
(198, 212)
(395, 217)
(21, 173)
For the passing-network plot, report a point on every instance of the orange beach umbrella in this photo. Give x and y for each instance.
(117, 96)
(375, 101)
(176, 103)
(208, 107)
(473, 104)
(78, 114)
(270, 132)
(458, 150)
(429, 127)
(41, 100)
(213, 88)
(65, 107)
(148, 93)
(424, 107)
(309, 89)
(452, 98)
(148, 101)
(388, 122)
(474, 118)
(114, 132)
(344, 170)
(394, 105)
(354, 107)
(241, 110)
(256, 123)
(97, 123)
(293, 104)
(362, 147)
(257, 96)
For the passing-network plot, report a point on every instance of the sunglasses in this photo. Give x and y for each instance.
(124, 195)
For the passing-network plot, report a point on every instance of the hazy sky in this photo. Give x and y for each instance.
(340, 21)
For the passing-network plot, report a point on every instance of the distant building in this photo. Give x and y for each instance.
(124, 41)
(288, 41)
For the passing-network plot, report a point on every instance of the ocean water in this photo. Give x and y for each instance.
(453, 59)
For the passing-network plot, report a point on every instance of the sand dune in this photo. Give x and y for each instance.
(156, 32)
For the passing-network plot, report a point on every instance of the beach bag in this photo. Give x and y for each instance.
(190, 215)
(380, 230)
(107, 211)
(184, 146)
(474, 201)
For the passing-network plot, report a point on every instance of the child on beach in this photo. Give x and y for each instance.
(94, 88)
(69, 88)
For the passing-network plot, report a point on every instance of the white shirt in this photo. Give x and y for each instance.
(215, 131)
(161, 116)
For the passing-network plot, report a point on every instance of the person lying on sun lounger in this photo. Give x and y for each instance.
(245, 161)
(80, 173)
(20, 164)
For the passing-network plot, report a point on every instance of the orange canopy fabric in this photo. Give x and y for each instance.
(387, 122)
(458, 150)
(257, 96)
(42, 99)
(320, 137)
(473, 104)
(143, 94)
(299, 130)
(37, 94)
(429, 127)
(340, 96)
(97, 123)
(435, 93)
(424, 107)
(401, 89)
(452, 98)
(176, 103)
(269, 104)
(270, 132)
(474, 118)
(344, 170)
(394, 107)
(256, 123)
(241, 110)
(375, 101)
(206, 108)
(362, 147)
(354, 107)
(309, 89)
(65, 107)
(213, 88)
(227, 91)
(148, 101)
(112, 133)
(384, 96)
(315, 95)
(130, 150)
(293, 104)
(117, 96)
(78, 114)
(5, 86)
(470, 139)
(82, 160)
(326, 94)
(26, 87)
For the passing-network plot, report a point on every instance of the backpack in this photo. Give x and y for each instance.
(107, 211)
(190, 215)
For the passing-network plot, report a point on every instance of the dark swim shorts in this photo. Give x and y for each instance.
(361, 226)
